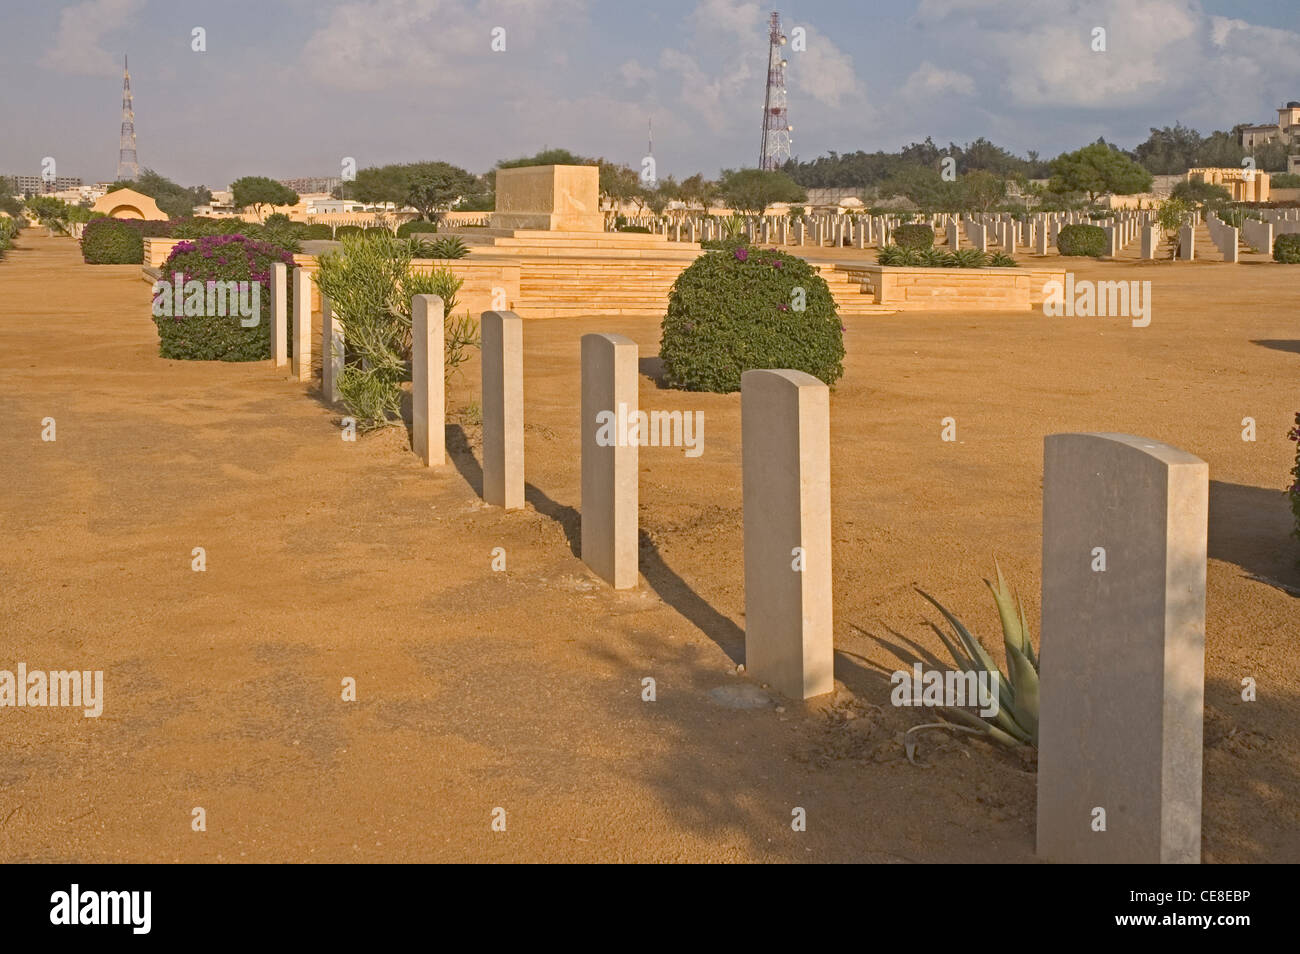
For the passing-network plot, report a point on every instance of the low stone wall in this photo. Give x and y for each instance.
(156, 250)
(955, 289)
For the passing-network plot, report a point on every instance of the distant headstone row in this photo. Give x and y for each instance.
(986, 232)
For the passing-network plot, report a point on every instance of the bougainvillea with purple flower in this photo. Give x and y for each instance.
(1294, 489)
(216, 337)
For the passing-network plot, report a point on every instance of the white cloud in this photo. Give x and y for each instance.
(378, 44)
(634, 74)
(929, 81)
(77, 44)
(824, 71)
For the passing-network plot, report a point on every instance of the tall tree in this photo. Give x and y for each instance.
(1096, 170)
(176, 200)
(753, 190)
(436, 185)
(259, 191)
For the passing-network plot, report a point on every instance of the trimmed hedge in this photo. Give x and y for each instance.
(737, 310)
(419, 225)
(112, 242)
(343, 230)
(913, 236)
(315, 232)
(212, 337)
(1087, 240)
(1286, 249)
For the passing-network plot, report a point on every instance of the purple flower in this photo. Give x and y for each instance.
(742, 254)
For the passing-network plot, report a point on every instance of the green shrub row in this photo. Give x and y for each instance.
(939, 258)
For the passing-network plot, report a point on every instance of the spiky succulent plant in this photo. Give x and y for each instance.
(1016, 721)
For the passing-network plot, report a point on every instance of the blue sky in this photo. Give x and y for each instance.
(291, 87)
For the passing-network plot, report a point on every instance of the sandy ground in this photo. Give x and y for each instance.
(522, 689)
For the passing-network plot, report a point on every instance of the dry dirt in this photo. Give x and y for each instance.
(522, 689)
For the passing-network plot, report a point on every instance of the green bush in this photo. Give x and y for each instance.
(215, 337)
(111, 242)
(376, 230)
(1286, 249)
(9, 228)
(370, 283)
(738, 310)
(449, 247)
(343, 231)
(199, 227)
(939, 258)
(968, 258)
(282, 234)
(419, 225)
(639, 229)
(913, 236)
(1082, 240)
(315, 232)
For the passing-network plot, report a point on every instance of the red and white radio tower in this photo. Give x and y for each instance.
(775, 150)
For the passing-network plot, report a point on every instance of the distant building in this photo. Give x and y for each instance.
(832, 198)
(1245, 185)
(36, 185)
(128, 204)
(309, 184)
(325, 204)
(1285, 130)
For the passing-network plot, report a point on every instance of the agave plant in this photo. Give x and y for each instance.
(898, 255)
(1016, 721)
(933, 257)
(969, 258)
(449, 247)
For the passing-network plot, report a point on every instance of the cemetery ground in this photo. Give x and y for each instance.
(522, 689)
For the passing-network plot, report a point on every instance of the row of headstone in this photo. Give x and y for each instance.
(1224, 236)
(1123, 578)
(1258, 234)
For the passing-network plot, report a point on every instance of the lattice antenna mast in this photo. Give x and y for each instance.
(775, 150)
(127, 166)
